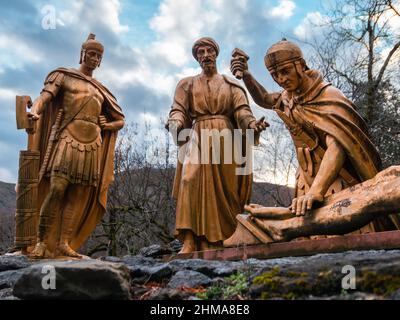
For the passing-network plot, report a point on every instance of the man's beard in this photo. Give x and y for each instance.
(208, 66)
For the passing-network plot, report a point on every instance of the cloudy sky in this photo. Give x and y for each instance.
(148, 49)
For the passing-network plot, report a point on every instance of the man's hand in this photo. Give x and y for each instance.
(103, 123)
(259, 125)
(174, 127)
(33, 116)
(37, 105)
(304, 203)
(239, 62)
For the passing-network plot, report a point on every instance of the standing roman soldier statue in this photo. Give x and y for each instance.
(77, 124)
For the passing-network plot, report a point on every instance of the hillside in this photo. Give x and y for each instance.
(7, 210)
(263, 193)
(7, 198)
(152, 196)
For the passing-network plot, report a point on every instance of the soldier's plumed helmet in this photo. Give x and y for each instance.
(92, 44)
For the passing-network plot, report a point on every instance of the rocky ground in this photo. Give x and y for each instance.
(146, 276)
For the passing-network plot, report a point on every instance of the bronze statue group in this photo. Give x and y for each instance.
(76, 123)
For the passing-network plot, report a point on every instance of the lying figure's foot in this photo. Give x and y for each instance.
(65, 250)
(39, 252)
(274, 228)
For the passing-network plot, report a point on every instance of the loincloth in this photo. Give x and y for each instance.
(77, 162)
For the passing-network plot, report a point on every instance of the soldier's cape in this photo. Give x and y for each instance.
(330, 112)
(89, 213)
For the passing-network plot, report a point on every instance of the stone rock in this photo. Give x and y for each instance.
(9, 278)
(144, 269)
(157, 273)
(111, 259)
(377, 275)
(211, 268)
(306, 278)
(175, 245)
(189, 279)
(348, 296)
(12, 262)
(7, 294)
(77, 280)
(155, 250)
(256, 264)
(134, 261)
(168, 294)
(395, 295)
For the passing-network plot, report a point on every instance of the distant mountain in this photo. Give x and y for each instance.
(271, 195)
(266, 194)
(7, 198)
(7, 212)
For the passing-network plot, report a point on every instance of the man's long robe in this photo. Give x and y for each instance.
(209, 196)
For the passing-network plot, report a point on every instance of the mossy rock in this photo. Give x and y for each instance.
(383, 284)
(277, 283)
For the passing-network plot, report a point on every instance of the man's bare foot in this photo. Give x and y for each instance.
(215, 245)
(188, 242)
(65, 250)
(188, 247)
(204, 245)
(272, 227)
(39, 252)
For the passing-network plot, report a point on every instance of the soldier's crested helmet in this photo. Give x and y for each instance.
(281, 53)
(92, 44)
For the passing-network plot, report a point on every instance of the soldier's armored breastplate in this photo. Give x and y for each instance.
(309, 161)
(86, 99)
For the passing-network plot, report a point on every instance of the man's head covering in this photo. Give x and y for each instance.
(205, 41)
(91, 44)
(281, 53)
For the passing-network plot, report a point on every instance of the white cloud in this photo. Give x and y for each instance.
(309, 25)
(187, 72)
(111, 10)
(151, 119)
(168, 58)
(7, 176)
(144, 74)
(284, 10)
(7, 101)
(144, 77)
(7, 94)
(279, 178)
(70, 15)
(15, 52)
(92, 12)
(178, 25)
(394, 19)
